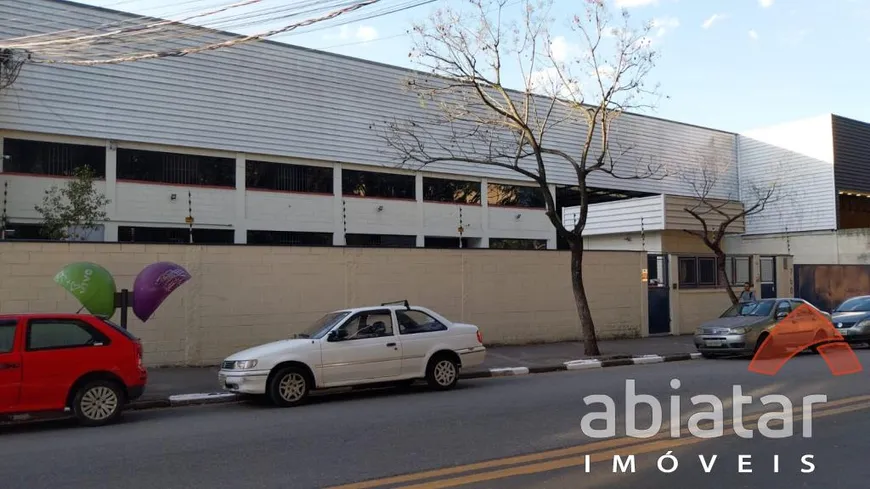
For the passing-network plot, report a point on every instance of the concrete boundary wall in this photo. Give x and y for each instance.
(242, 296)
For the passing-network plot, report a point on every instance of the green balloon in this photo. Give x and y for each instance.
(91, 284)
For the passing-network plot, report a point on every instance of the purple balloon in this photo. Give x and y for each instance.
(154, 284)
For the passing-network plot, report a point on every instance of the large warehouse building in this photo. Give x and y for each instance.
(268, 143)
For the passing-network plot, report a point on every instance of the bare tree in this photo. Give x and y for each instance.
(716, 215)
(10, 67)
(577, 87)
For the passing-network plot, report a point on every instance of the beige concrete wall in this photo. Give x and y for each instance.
(242, 296)
(698, 306)
(785, 276)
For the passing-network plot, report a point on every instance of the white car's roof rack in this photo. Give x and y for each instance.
(403, 302)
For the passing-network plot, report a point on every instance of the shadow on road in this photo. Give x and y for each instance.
(252, 403)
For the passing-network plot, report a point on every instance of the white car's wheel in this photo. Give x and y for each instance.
(98, 403)
(289, 387)
(442, 372)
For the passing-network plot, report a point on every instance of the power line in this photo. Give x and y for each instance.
(90, 38)
(161, 29)
(149, 38)
(55, 26)
(207, 47)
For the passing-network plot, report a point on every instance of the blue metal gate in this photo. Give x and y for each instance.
(658, 295)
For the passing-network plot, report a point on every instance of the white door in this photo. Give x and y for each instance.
(418, 332)
(365, 348)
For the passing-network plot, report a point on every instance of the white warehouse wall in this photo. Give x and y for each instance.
(275, 99)
(798, 158)
(149, 204)
(845, 247)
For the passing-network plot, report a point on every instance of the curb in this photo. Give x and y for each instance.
(225, 398)
(184, 400)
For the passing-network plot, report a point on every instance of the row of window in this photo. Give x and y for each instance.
(135, 234)
(379, 324)
(43, 158)
(180, 235)
(703, 271)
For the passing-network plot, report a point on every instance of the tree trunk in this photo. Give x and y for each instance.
(723, 277)
(587, 327)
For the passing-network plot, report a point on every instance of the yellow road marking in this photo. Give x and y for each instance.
(588, 448)
(597, 457)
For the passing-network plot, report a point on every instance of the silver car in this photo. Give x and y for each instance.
(741, 329)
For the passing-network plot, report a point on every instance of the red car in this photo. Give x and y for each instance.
(53, 362)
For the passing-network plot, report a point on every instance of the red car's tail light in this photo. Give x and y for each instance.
(479, 337)
(139, 354)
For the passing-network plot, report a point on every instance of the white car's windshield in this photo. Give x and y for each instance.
(322, 325)
(857, 304)
(758, 309)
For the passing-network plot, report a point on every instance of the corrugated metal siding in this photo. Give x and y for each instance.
(273, 99)
(677, 218)
(658, 213)
(851, 154)
(622, 216)
(806, 199)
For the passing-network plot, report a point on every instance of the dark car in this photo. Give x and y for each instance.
(852, 319)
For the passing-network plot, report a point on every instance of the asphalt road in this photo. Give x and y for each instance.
(351, 439)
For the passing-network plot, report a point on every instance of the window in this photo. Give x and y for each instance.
(767, 270)
(517, 244)
(322, 326)
(656, 270)
(179, 169)
(456, 191)
(857, 304)
(7, 335)
(15, 230)
(289, 238)
(372, 184)
(442, 242)
(514, 196)
(703, 271)
(381, 240)
(742, 270)
(52, 334)
(61, 159)
(366, 325)
(755, 309)
(137, 234)
(783, 307)
(707, 271)
(289, 178)
(738, 269)
(688, 272)
(118, 328)
(414, 322)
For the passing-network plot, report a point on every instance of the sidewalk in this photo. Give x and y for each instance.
(165, 382)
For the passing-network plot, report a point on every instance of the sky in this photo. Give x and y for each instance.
(733, 65)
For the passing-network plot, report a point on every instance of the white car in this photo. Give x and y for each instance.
(393, 342)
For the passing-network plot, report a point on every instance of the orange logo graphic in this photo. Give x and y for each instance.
(803, 329)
